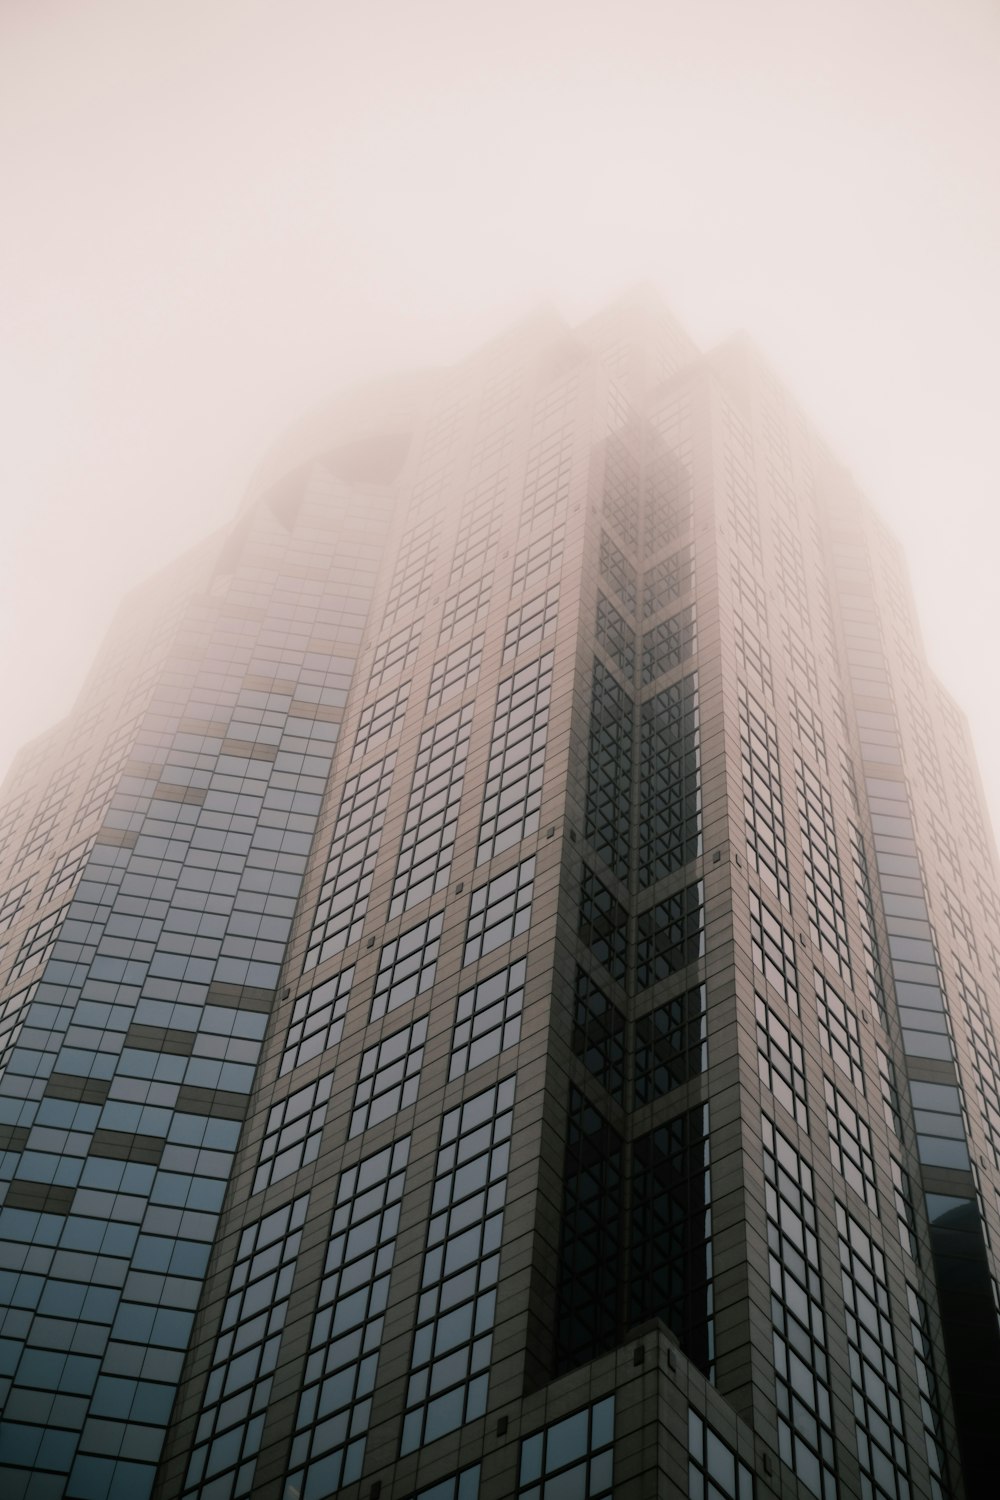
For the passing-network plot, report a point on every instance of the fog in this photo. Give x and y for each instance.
(216, 214)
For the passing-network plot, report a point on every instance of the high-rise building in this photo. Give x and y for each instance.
(500, 976)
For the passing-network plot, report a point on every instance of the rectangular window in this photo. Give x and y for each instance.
(380, 720)
(499, 910)
(572, 1457)
(763, 809)
(670, 1045)
(668, 644)
(838, 1030)
(389, 1077)
(335, 1405)
(65, 873)
(12, 904)
(395, 654)
(453, 1341)
(591, 1248)
(38, 942)
(774, 952)
(236, 1398)
(603, 925)
(347, 880)
(513, 793)
(617, 571)
(670, 781)
(780, 1063)
(414, 565)
(599, 1035)
(487, 1018)
(317, 1020)
(669, 580)
(406, 966)
(455, 672)
(615, 636)
(538, 559)
(608, 816)
(292, 1134)
(713, 1468)
(431, 821)
(533, 623)
(466, 608)
(851, 1146)
(547, 475)
(824, 889)
(670, 935)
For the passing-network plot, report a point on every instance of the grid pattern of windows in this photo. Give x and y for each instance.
(317, 1020)
(395, 654)
(669, 502)
(930, 1401)
(547, 474)
(668, 644)
(292, 1134)
(670, 1045)
(670, 935)
(670, 1260)
(805, 1435)
(411, 578)
(807, 725)
(513, 794)
(65, 873)
(465, 608)
(347, 880)
(774, 952)
(753, 658)
(38, 942)
(851, 1145)
(335, 1405)
(500, 910)
(669, 781)
(599, 1035)
(615, 636)
(587, 1320)
(389, 1077)
(824, 891)
(866, 916)
(572, 1457)
(667, 581)
(609, 771)
(234, 1405)
(985, 1057)
(406, 966)
(714, 1472)
(487, 1018)
(533, 623)
(453, 1340)
(431, 821)
(381, 719)
(455, 672)
(618, 572)
(763, 810)
(539, 558)
(838, 1030)
(878, 1414)
(621, 489)
(603, 925)
(780, 1063)
(12, 903)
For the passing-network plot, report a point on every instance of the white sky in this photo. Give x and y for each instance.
(217, 212)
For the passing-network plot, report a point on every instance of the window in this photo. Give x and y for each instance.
(453, 1341)
(414, 565)
(317, 1020)
(466, 608)
(389, 1077)
(774, 952)
(65, 873)
(763, 810)
(603, 925)
(235, 1401)
(615, 636)
(618, 572)
(714, 1472)
(38, 942)
(432, 815)
(538, 559)
(824, 891)
(395, 654)
(670, 1045)
(547, 474)
(335, 1405)
(499, 910)
(461, 1486)
(572, 1457)
(669, 785)
(587, 1319)
(12, 903)
(667, 581)
(599, 1035)
(609, 772)
(406, 966)
(292, 1135)
(780, 1063)
(381, 719)
(838, 1030)
(343, 897)
(487, 1018)
(513, 792)
(851, 1146)
(455, 672)
(533, 623)
(621, 489)
(670, 935)
(668, 644)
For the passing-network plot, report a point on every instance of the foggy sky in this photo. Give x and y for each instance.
(218, 212)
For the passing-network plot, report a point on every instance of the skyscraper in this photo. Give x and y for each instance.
(501, 973)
